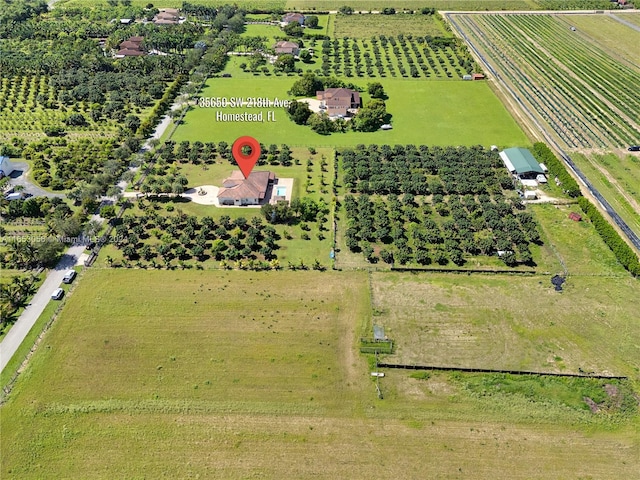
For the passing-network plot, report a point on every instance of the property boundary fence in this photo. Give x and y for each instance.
(489, 370)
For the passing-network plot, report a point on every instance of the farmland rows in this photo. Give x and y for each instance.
(594, 65)
(545, 107)
(564, 87)
(580, 113)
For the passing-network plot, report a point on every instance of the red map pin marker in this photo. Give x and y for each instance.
(246, 162)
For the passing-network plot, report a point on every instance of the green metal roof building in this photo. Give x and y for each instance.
(520, 161)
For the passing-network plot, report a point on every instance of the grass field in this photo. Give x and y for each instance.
(618, 179)
(607, 32)
(484, 322)
(632, 17)
(239, 375)
(368, 5)
(366, 26)
(434, 113)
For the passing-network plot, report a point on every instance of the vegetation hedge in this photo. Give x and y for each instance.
(625, 255)
(556, 168)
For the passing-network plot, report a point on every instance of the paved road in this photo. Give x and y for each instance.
(23, 325)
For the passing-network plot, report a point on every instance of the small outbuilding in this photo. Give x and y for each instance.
(530, 195)
(576, 217)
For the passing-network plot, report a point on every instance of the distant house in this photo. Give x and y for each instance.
(167, 16)
(477, 76)
(283, 47)
(6, 167)
(339, 101)
(125, 52)
(293, 17)
(126, 21)
(521, 163)
(132, 47)
(240, 191)
(575, 216)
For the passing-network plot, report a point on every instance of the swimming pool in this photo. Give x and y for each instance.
(281, 191)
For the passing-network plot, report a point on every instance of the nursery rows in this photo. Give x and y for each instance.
(579, 91)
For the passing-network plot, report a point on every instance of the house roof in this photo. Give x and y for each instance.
(127, 44)
(520, 160)
(339, 97)
(135, 39)
(167, 15)
(286, 44)
(293, 17)
(165, 21)
(126, 52)
(254, 186)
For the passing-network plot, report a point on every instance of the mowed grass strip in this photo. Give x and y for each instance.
(432, 113)
(366, 26)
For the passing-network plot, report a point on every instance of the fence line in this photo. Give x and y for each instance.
(489, 370)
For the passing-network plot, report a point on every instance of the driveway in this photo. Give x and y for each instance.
(25, 322)
(19, 177)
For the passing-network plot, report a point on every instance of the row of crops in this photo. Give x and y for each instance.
(405, 56)
(583, 94)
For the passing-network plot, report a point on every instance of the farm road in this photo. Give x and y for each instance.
(27, 320)
(624, 22)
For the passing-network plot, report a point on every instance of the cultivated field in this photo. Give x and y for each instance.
(365, 26)
(235, 375)
(574, 84)
(447, 113)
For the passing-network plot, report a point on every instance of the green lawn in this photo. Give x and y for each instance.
(433, 113)
(243, 374)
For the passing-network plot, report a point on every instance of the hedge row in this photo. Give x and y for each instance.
(556, 168)
(625, 255)
(146, 128)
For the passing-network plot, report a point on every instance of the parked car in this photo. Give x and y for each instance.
(634, 148)
(69, 276)
(57, 294)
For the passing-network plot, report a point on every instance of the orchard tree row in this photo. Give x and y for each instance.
(154, 240)
(445, 229)
(423, 170)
